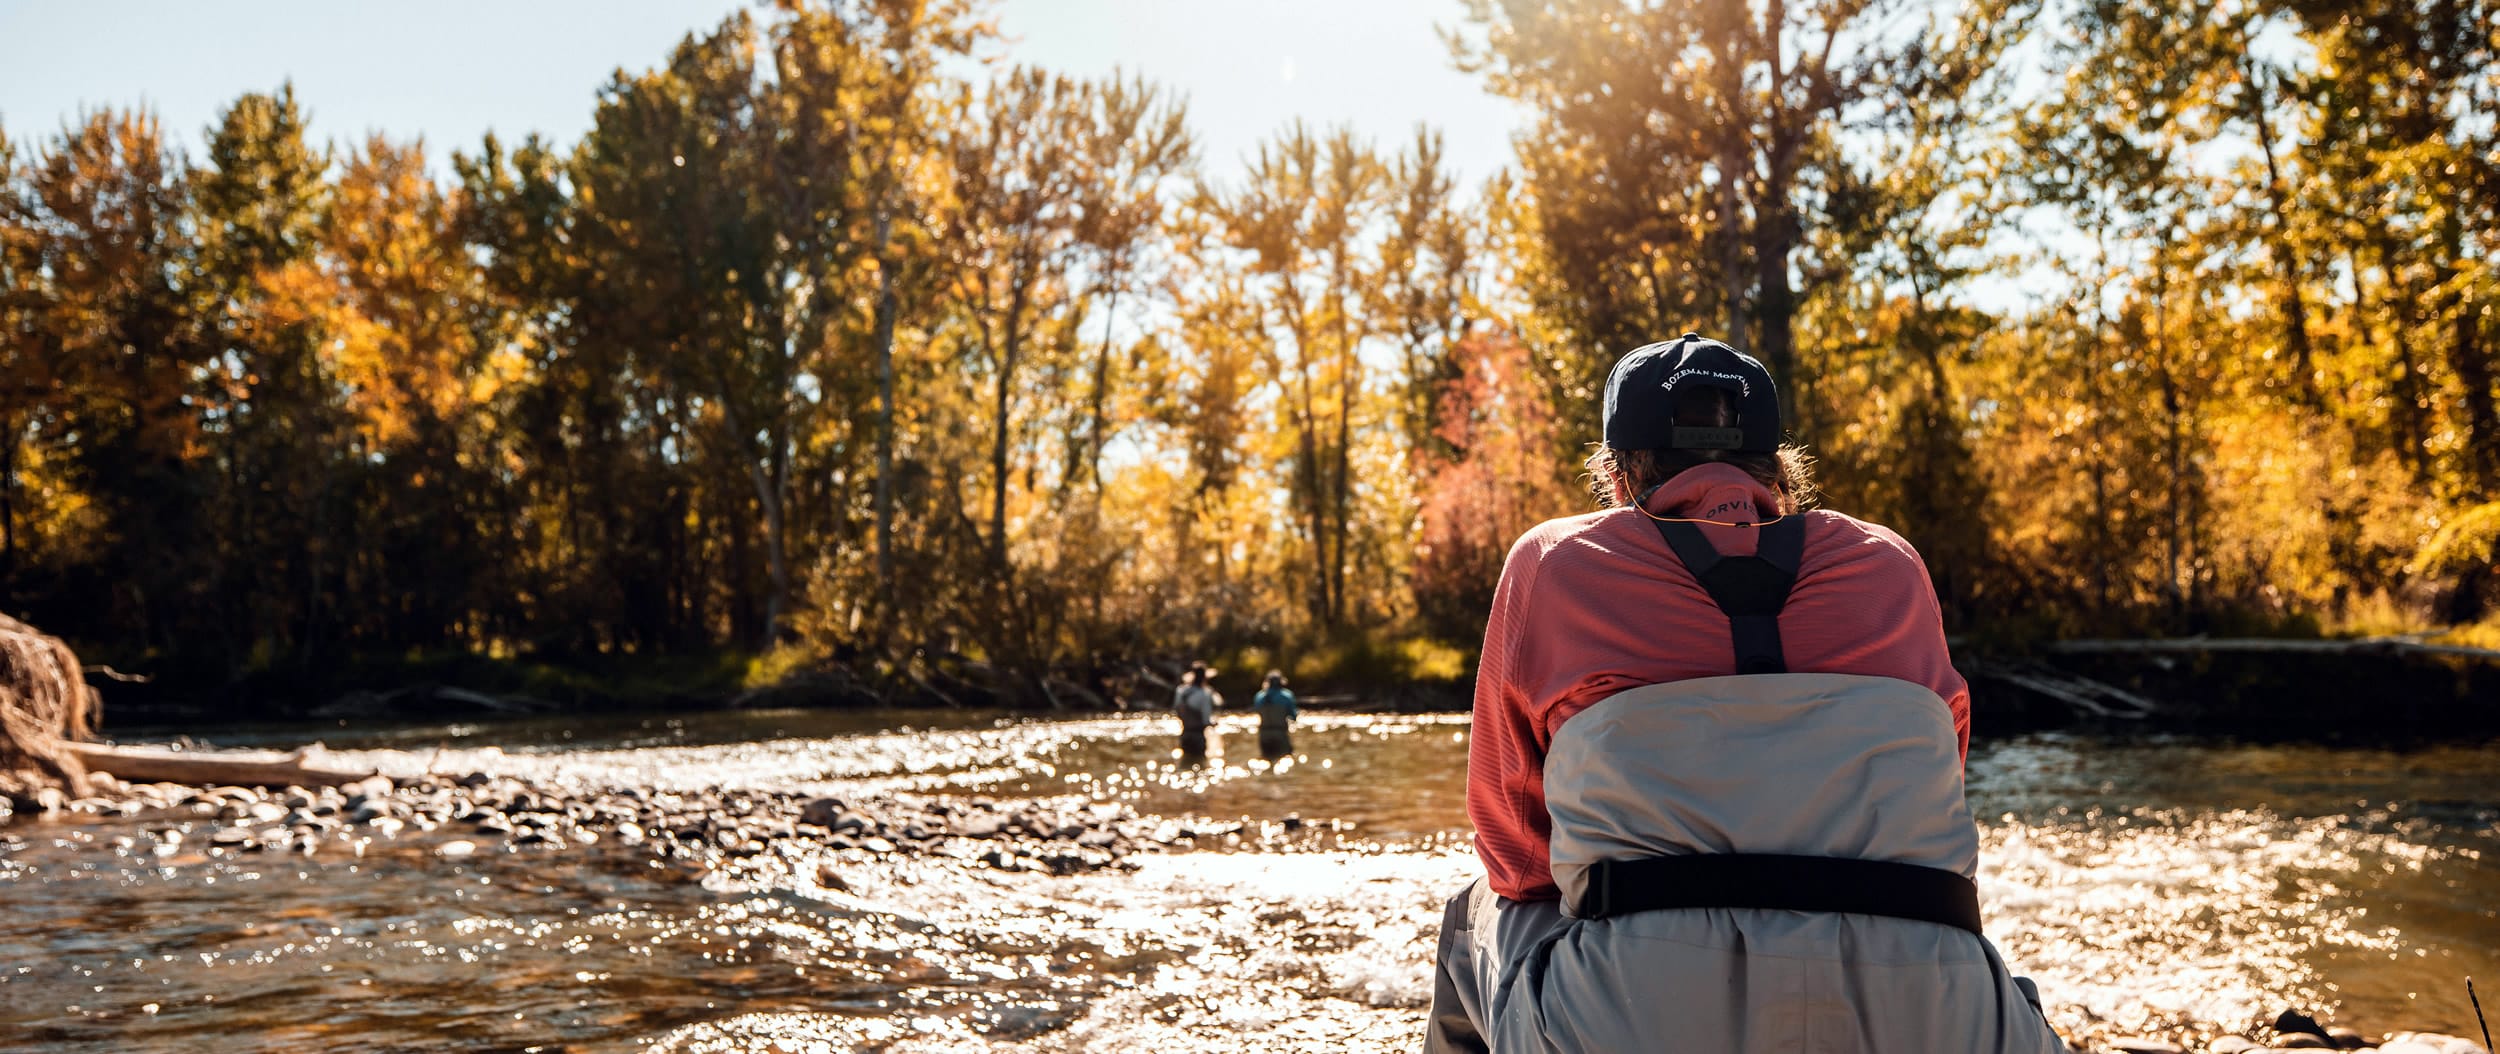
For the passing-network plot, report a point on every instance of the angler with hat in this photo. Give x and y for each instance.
(1716, 766)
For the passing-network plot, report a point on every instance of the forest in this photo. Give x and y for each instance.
(839, 343)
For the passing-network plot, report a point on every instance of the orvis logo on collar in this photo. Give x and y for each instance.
(1743, 386)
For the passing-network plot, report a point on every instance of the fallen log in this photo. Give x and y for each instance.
(915, 676)
(2085, 694)
(307, 767)
(1087, 695)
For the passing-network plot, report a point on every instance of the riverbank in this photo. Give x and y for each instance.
(2363, 695)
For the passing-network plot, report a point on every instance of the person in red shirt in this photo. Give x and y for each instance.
(1607, 606)
(1559, 639)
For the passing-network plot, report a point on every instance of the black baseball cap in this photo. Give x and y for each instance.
(1641, 396)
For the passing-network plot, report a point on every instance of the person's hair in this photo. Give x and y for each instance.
(1275, 677)
(1196, 675)
(1615, 474)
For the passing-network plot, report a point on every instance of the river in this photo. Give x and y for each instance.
(2147, 885)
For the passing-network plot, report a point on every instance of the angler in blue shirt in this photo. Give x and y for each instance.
(1275, 707)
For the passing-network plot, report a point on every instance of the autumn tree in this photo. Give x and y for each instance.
(1709, 130)
(1299, 221)
(118, 329)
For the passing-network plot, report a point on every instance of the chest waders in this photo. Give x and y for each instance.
(1751, 591)
(1766, 862)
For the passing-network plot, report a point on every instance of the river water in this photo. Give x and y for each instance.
(2147, 885)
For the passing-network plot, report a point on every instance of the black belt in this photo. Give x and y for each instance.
(1780, 883)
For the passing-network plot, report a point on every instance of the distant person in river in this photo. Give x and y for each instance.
(1195, 701)
(1275, 706)
(1716, 765)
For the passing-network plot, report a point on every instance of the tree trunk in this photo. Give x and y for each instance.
(2411, 419)
(1775, 222)
(2286, 262)
(1340, 489)
(1776, 301)
(1009, 347)
(1735, 164)
(776, 539)
(8, 499)
(1097, 392)
(769, 476)
(881, 340)
(2173, 444)
(1732, 244)
(2467, 359)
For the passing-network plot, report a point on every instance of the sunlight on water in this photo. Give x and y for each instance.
(2146, 886)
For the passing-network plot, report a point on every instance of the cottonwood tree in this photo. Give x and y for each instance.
(1300, 220)
(1710, 124)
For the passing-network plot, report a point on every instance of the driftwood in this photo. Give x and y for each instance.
(926, 686)
(2094, 698)
(307, 767)
(45, 705)
(1081, 692)
(2395, 645)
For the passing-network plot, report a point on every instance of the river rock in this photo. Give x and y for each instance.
(2428, 1043)
(2347, 1039)
(264, 812)
(2302, 1041)
(2144, 1045)
(456, 848)
(2232, 1045)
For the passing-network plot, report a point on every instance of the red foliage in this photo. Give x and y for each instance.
(1492, 473)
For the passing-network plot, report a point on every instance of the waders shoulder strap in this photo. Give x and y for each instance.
(1750, 590)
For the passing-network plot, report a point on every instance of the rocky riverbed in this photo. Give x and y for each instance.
(1065, 886)
(464, 815)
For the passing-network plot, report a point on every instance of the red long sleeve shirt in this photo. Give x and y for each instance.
(1596, 604)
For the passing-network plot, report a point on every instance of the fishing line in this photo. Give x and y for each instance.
(2478, 1012)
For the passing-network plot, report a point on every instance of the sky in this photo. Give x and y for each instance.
(451, 70)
